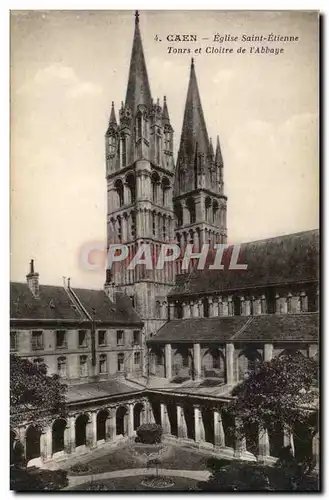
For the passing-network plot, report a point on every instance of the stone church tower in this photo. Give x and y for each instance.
(140, 179)
(148, 201)
(199, 200)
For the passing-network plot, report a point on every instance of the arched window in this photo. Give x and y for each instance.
(207, 208)
(179, 214)
(131, 184)
(190, 204)
(83, 366)
(61, 366)
(215, 212)
(119, 228)
(181, 179)
(123, 151)
(153, 224)
(158, 148)
(133, 225)
(155, 179)
(119, 191)
(165, 186)
(164, 229)
(139, 127)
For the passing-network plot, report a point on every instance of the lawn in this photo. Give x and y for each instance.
(131, 457)
(134, 484)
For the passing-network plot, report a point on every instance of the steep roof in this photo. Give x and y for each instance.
(269, 327)
(105, 310)
(138, 90)
(285, 259)
(194, 130)
(55, 303)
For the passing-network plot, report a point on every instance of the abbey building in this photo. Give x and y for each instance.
(165, 345)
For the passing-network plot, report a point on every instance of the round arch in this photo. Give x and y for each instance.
(32, 440)
(81, 430)
(121, 421)
(58, 431)
(101, 420)
(139, 415)
(248, 360)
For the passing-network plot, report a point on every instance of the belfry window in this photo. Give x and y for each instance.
(139, 127)
(123, 151)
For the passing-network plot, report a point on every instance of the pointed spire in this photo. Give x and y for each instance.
(194, 126)
(165, 114)
(138, 89)
(113, 120)
(211, 149)
(218, 156)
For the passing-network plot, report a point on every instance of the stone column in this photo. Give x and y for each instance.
(219, 435)
(48, 441)
(171, 310)
(247, 308)
(200, 309)
(240, 443)
(263, 304)
(230, 306)
(168, 360)
(112, 424)
(71, 424)
(198, 425)
(195, 309)
(211, 307)
(43, 445)
(263, 443)
(315, 450)
(229, 358)
(288, 440)
(215, 307)
(94, 429)
(242, 306)
(67, 438)
(277, 303)
(268, 352)
(197, 361)
(131, 420)
(181, 424)
(165, 419)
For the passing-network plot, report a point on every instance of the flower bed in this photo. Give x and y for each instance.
(158, 482)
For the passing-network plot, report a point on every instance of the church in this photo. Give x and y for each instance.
(165, 345)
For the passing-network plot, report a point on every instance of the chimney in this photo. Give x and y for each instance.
(33, 280)
(109, 286)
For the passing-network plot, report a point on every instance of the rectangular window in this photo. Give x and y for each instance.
(120, 337)
(101, 337)
(61, 340)
(121, 362)
(137, 359)
(136, 339)
(61, 367)
(37, 340)
(83, 366)
(13, 341)
(83, 342)
(102, 363)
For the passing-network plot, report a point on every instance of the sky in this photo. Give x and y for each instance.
(68, 66)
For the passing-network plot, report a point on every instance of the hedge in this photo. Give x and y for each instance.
(149, 434)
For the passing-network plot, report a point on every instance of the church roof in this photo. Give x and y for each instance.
(281, 260)
(138, 90)
(194, 132)
(231, 329)
(54, 303)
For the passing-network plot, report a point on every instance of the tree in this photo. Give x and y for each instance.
(34, 395)
(280, 392)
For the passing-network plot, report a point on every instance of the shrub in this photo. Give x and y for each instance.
(37, 479)
(179, 379)
(149, 434)
(79, 468)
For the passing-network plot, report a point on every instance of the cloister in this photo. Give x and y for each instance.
(202, 422)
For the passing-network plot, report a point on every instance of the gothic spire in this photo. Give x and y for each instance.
(218, 155)
(113, 120)
(165, 114)
(194, 127)
(138, 89)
